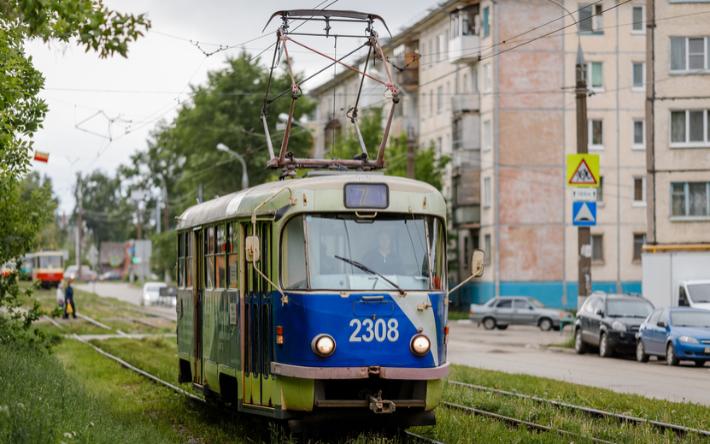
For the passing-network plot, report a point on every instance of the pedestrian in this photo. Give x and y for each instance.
(69, 306)
(60, 294)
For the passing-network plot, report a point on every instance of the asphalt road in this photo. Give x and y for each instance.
(128, 293)
(525, 350)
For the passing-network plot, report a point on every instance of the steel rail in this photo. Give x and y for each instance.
(679, 429)
(520, 422)
(189, 395)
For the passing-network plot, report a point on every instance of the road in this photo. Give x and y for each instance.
(525, 350)
(127, 293)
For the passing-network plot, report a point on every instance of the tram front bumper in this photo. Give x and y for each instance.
(402, 373)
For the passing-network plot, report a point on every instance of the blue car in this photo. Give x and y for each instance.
(677, 334)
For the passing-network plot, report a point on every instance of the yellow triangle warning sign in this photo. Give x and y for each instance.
(583, 170)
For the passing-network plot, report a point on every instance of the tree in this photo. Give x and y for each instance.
(106, 212)
(95, 27)
(428, 167)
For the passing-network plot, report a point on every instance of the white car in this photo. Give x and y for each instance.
(151, 292)
(695, 294)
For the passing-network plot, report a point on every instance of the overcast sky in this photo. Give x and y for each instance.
(127, 97)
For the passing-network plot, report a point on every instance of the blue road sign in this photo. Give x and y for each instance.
(584, 214)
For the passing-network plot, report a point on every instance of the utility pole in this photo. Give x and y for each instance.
(79, 223)
(157, 214)
(410, 156)
(584, 247)
(650, 120)
(166, 212)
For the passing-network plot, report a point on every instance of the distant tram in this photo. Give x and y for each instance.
(48, 268)
(317, 295)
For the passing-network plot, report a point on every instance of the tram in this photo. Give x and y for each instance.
(48, 268)
(318, 297)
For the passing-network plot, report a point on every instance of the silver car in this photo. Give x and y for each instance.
(517, 310)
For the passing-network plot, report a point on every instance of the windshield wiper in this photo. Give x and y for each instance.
(367, 269)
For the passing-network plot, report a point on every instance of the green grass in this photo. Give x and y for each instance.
(457, 315)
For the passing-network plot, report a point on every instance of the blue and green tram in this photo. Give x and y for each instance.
(315, 297)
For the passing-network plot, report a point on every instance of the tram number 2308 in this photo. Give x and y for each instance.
(380, 330)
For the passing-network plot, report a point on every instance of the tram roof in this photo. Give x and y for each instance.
(314, 194)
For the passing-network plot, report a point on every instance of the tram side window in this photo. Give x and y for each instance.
(232, 255)
(209, 257)
(294, 265)
(181, 260)
(220, 259)
(188, 260)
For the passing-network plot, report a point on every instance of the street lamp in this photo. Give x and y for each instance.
(245, 177)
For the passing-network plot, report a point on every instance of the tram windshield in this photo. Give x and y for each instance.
(344, 252)
(50, 261)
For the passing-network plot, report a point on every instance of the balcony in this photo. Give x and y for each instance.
(407, 71)
(464, 49)
(465, 103)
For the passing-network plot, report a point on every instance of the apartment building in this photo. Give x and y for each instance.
(502, 107)
(678, 155)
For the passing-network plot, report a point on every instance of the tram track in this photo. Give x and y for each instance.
(659, 425)
(414, 437)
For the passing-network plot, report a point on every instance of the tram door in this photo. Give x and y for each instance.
(258, 350)
(197, 298)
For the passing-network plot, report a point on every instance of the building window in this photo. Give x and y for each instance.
(590, 19)
(639, 134)
(639, 75)
(690, 199)
(485, 22)
(431, 103)
(639, 20)
(639, 240)
(596, 134)
(487, 82)
(487, 135)
(639, 190)
(439, 99)
(597, 248)
(595, 76)
(690, 128)
(690, 54)
(487, 192)
(487, 248)
(600, 190)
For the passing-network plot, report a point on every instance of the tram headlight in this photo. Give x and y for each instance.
(323, 345)
(420, 345)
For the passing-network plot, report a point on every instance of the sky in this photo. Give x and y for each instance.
(102, 110)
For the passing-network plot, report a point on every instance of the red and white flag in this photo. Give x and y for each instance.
(41, 156)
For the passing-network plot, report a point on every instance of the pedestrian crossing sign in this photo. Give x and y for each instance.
(583, 170)
(584, 214)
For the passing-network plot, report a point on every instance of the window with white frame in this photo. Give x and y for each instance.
(439, 99)
(639, 240)
(487, 249)
(597, 248)
(639, 190)
(595, 76)
(487, 78)
(639, 134)
(690, 54)
(690, 128)
(596, 134)
(690, 199)
(486, 134)
(590, 18)
(638, 24)
(639, 75)
(487, 192)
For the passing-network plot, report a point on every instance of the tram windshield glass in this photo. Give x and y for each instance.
(344, 252)
(50, 261)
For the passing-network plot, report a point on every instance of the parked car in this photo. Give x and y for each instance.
(516, 310)
(87, 274)
(610, 322)
(151, 292)
(111, 275)
(694, 294)
(676, 334)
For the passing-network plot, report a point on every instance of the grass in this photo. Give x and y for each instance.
(78, 387)
(456, 315)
